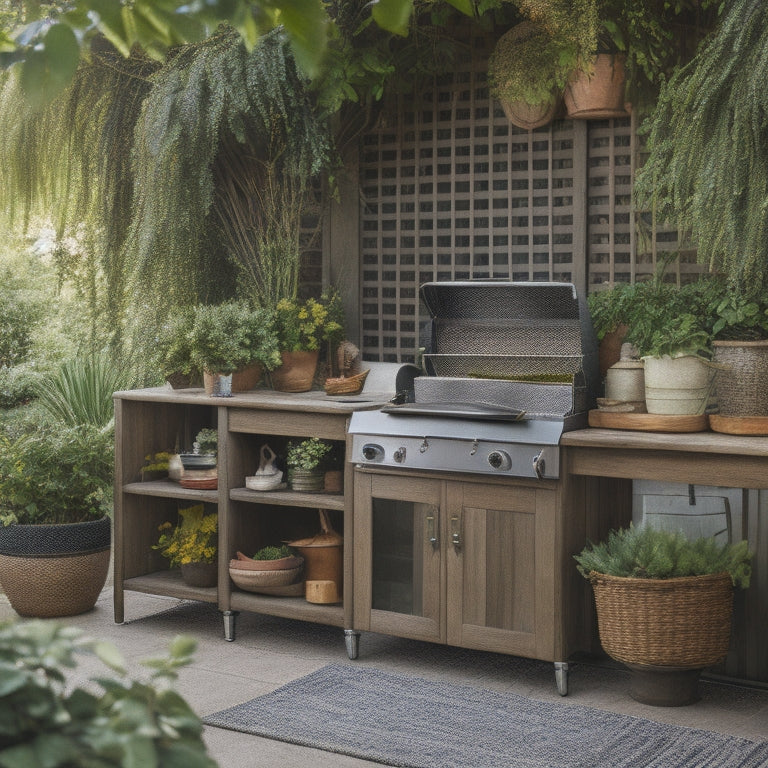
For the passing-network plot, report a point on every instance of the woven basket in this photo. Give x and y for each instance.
(742, 384)
(683, 622)
(346, 385)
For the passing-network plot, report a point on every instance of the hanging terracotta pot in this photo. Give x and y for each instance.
(297, 373)
(600, 94)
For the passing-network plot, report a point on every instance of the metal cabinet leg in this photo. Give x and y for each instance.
(229, 624)
(352, 640)
(561, 677)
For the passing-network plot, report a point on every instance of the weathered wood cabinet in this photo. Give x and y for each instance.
(151, 420)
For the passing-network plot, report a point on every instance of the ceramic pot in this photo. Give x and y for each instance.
(677, 385)
(297, 373)
(199, 574)
(247, 378)
(307, 480)
(217, 384)
(742, 377)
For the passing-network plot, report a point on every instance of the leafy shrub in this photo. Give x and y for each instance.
(20, 311)
(273, 552)
(17, 385)
(648, 553)
(56, 474)
(308, 454)
(44, 721)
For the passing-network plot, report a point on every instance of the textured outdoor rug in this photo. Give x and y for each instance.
(415, 723)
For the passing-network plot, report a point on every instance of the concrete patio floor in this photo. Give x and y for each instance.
(269, 652)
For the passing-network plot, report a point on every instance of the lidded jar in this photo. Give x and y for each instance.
(625, 380)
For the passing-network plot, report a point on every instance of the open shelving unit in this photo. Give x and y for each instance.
(152, 420)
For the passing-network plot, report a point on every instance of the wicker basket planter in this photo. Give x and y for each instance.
(657, 626)
(49, 571)
(742, 377)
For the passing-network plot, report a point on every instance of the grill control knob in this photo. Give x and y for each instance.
(499, 460)
(373, 452)
(399, 455)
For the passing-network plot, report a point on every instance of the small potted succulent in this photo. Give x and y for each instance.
(191, 544)
(306, 462)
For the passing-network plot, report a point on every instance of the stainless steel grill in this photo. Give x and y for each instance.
(511, 367)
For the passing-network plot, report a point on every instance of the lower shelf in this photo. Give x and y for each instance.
(170, 584)
(288, 608)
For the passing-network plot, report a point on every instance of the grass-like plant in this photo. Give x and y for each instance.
(649, 553)
(80, 391)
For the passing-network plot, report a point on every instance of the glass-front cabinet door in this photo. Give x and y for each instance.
(397, 558)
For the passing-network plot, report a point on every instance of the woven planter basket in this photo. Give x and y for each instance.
(682, 622)
(742, 384)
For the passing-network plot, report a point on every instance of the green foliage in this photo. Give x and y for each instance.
(56, 474)
(307, 454)
(227, 337)
(273, 552)
(20, 310)
(17, 385)
(708, 162)
(80, 391)
(612, 307)
(207, 441)
(648, 553)
(114, 721)
(193, 540)
(173, 351)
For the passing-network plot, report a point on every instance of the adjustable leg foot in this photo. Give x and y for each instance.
(561, 677)
(229, 624)
(352, 640)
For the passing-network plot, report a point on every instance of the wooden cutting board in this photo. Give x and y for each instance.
(648, 422)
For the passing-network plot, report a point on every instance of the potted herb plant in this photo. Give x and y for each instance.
(740, 352)
(229, 338)
(174, 353)
(55, 494)
(664, 606)
(305, 461)
(191, 545)
(301, 328)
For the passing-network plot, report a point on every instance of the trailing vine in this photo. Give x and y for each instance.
(708, 141)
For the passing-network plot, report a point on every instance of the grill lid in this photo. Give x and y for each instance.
(455, 410)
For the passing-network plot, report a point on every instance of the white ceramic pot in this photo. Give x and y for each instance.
(677, 385)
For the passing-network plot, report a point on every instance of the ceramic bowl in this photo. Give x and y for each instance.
(251, 580)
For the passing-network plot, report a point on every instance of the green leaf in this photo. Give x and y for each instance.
(11, 679)
(393, 15)
(63, 55)
(307, 25)
(467, 7)
(111, 656)
(182, 646)
(111, 23)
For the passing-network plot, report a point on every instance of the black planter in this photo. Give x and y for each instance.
(54, 570)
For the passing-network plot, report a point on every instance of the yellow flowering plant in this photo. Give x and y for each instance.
(301, 326)
(192, 540)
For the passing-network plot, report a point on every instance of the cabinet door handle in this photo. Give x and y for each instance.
(456, 532)
(432, 531)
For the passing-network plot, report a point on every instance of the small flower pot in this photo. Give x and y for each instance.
(307, 480)
(217, 384)
(199, 574)
(297, 373)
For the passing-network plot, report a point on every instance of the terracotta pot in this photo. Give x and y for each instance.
(50, 571)
(609, 350)
(247, 378)
(599, 95)
(297, 372)
(199, 574)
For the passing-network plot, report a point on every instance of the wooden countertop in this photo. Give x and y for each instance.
(314, 401)
(691, 442)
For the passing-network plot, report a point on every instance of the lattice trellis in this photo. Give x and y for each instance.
(451, 191)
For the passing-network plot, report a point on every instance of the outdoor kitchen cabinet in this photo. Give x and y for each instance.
(151, 420)
(462, 561)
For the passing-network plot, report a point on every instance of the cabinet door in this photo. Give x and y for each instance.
(500, 568)
(397, 557)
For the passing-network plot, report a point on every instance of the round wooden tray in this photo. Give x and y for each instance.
(739, 425)
(648, 422)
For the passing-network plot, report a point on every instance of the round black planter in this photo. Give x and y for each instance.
(62, 539)
(49, 571)
(664, 686)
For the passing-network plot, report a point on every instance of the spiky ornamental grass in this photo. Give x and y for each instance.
(708, 140)
(648, 553)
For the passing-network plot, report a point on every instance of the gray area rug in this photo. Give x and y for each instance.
(411, 722)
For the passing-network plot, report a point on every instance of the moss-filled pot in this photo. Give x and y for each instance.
(48, 571)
